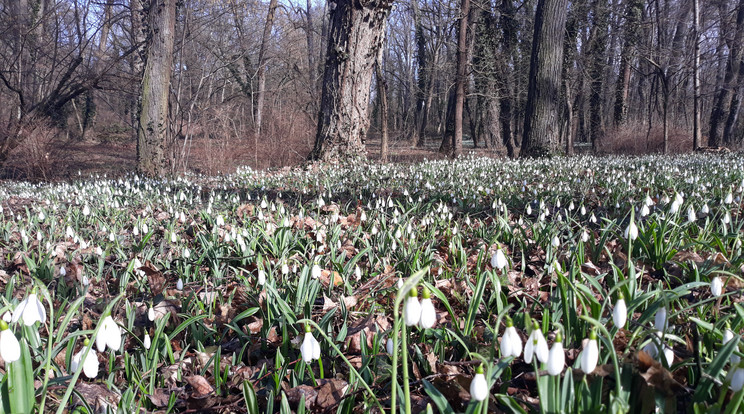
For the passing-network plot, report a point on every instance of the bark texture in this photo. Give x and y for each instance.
(541, 124)
(152, 126)
(355, 38)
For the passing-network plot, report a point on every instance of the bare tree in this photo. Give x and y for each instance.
(152, 128)
(541, 126)
(356, 35)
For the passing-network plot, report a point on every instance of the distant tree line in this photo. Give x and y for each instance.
(532, 77)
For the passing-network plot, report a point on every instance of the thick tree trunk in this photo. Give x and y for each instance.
(152, 127)
(258, 117)
(597, 50)
(506, 78)
(696, 127)
(722, 101)
(462, 76)
(355, 38)
(541, 126)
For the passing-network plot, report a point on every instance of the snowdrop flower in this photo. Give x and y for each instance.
(674, 208)
(593, 219)
(220, 221)
(151, 314)
(660, 319)
(631, 232)
(261, 277)
(644, 210)
(147, 342)
(357, 273)
(620, 312)
(186, 253)
(179, 284)
(7, 317)
(556, 358)
(728, 335)
(310, 348)
(584, 236)
(716, 286)
(555, 242)
(511, 343)
(691, 217)
(10, 349)
(705, 209)
(668, 355)
(428, 313)
(498, 260)
(389, 346)
(536, 345)
(30, 310)
(590, 354)
(737, 379)
(412, 308)
(479, 386)
(316, 271)
(728, 200)
(108, 335)
(86, 210)
(726, 218)
(90, 365)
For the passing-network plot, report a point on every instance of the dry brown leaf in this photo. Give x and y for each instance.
(155, 278)
(201, 386)
(294, 395)
(330, 393)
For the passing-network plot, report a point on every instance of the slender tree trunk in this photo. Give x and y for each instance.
(541, 126)
(633, 16)
(262, 66)
(597, 49)
(153, 115)
(462, 64)
(355, 38)
(506, 74)
(696, 129)
(383, 102)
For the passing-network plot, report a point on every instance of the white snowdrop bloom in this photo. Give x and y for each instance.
(644, 211)
(357, 273)
(678, 198)
(10, 349)
(41, 216)
(511, 343)
(147, 342)
(135, 231)
(412, 308)
(498, 260)
(30, 310)
(220, 221)
(648, 201)
(112, 236)
(389, 346)
(691, 216)
(674, 208)
(620, 313)
(62, 271)
(99, 251)
(729, 198)
(109, 335)
(631, 232)
(479, 386)
(584, 236)
(285, 269)
(593, 219)
(428, 313)
(726, 218)
(151, 314)
(7, 317)
(86, 210)
(173, 237)
(316, 271)
(582, 210)
(90, 365)
(728, 335)
(669, 355)
(590, 354)
(660, 319)
(145, 228)
(555, 242)
(310, 348)
(179, 284)
(556, 358)
(536, 345)
(737, 379)
(716, 286)
(261, 277)
(705, 209)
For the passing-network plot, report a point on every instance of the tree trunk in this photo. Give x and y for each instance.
(696, 129)
(262, 66)
(355, 38)
(462, 76)
(597, 49)
(541, 126)
(153, 114)
(506, 83)
(633, 16)
(722, 101)
(383, 102)
(89, 118)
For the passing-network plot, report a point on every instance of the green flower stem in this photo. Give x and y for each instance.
(406, 384)
(607, 337)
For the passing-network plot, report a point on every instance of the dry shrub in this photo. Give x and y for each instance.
(635, 138)
(37, 154)
(222, 141)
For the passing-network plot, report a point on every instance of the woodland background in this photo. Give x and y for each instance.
(247, 78)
